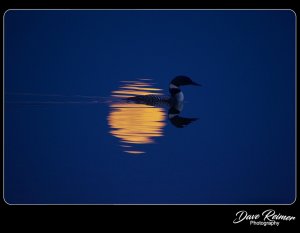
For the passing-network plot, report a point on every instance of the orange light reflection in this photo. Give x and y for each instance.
(136, 123)
(134, 152)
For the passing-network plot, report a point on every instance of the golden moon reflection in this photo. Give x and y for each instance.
(135, 124)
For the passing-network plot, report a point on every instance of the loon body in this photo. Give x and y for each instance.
(176, 95)
(153, 100)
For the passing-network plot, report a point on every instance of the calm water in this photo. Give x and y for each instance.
(69, 138)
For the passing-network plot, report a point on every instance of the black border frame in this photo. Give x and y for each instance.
(201, 217)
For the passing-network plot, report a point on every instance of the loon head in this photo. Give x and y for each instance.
(182, 80)
(178, 81)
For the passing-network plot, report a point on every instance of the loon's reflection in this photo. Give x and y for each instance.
(136, 122)
(176, 119)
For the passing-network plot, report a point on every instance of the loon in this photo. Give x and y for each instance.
(176, 95)
(174, 101)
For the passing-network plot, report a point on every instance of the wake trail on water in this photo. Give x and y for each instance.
(22, 98)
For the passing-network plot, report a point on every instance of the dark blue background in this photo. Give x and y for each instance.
(241, 150)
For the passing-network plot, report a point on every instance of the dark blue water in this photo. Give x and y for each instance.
(62, 149)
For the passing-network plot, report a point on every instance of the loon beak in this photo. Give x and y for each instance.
(196, 84)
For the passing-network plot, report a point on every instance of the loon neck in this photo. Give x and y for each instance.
(176, 93)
